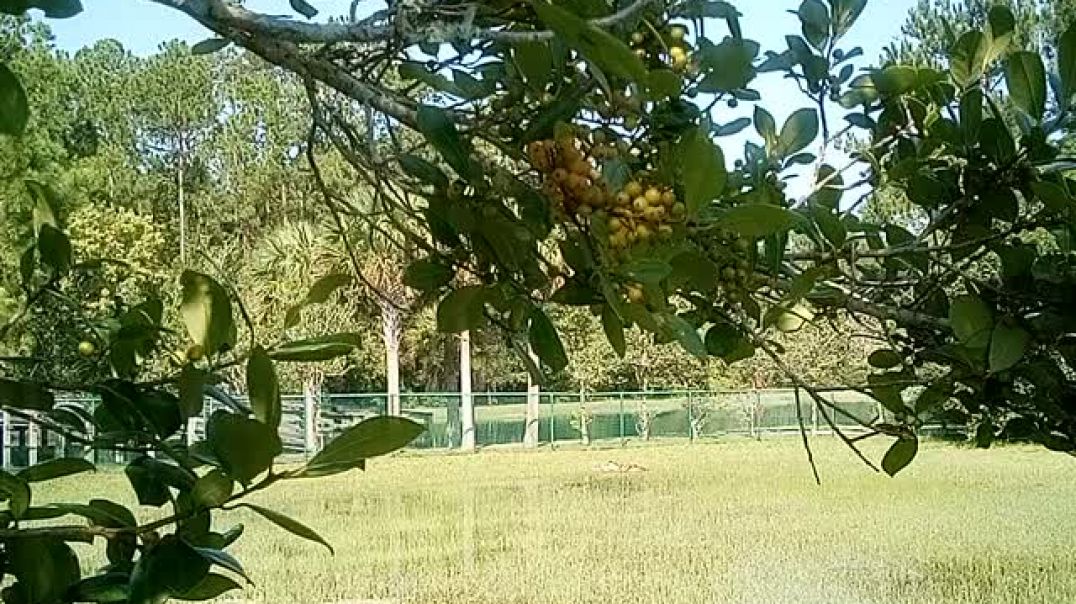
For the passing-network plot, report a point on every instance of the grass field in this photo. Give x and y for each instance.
(739, 521)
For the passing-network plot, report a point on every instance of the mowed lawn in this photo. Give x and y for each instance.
(734, 521)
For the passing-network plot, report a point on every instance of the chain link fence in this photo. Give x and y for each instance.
(500, 419)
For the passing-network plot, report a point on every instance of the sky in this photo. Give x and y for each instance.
(142, 26)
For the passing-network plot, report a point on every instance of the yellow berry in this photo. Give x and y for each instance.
(665, 230)
(633, 189)
(636, 294)
(641, 204)
(678, 33)
(677, 53)
(679, 210)
(86, 348)
(641, 53)
(638, 38)
(623, 199)
(653, 196)
(643, 232)
(668, 198)
(615, 224)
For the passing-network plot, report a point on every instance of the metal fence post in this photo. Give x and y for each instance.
(5, 436)
(310, 428)
(552, 421)
(33, 436)
(623, 440)
(690, 418)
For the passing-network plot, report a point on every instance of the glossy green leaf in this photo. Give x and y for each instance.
(312, 350)
(462, 310)
(439, 129)
(191, 385)
(664, 83)
(55, 250)
(756, 220)
(597, 46)
(799, 131)
(263, 388)
(45, 567)
(885, 359)
(370, 438)
(304, 8)
(1000, 25)
(900, 454)
(147, 478)
(968, 58)
(647, 270)
(686, 335)
(109, 587)
(728, 66)
(245, 447)
(14, 108)
(1008, 344)
(212, 586)
(815, 21)
(545, 341)
(224, 560)
(55, 468)
(292, 526)
(209, 46)
(535, 63)
(766, 127)
(17, 492)
(1066, 63)
(207, 312)
(1025, 76)
(213, 489)
(428, 274)
(845, 14)
(25, 395)
(614, 330)
(728, 343)
(169, 568)
(972, 321)
(704, 173)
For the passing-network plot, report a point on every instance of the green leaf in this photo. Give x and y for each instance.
(428, 274)
(53, 9)
(686, 335)
(885, 359)
(766, 127)
(647, 270)
(545, 341)
(25, 395)
(799, 131)
(209, 46)
(191, 386)
(370, 438)
(45, 567)
(1066, 63)
(423, 170)
(17, 492)
(1025, 76)
(535, 63)
(894, 80)
(900, 454)
(595, 44)
(1000, 25)
(756, 220)
(462, 310)
(224, 560)
(109, 587)
(664, 83)
(1053, 196)
(728, 66)
(614, 330)
(845, 14)
(147, 477)
(245, 447)
(1007, 346)
(313, 350)
(207, 312)
(212, 586)
(56, 468)
(968, 58)
(14, 108)
(213, 489)
(101, 512)
(704, 173)
(55, 249)
(996, 140)
(323, 288)
(303, 8)
(263, 388)
(435, 124)
(292, 526)
(829, 224)
(972, 321)
(169, 568)
(814, 17)
(728, 343)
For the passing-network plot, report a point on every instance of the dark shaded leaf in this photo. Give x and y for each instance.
(428, 274)
(56, 468)
(245, 447)
(885, 359)
(17, 492)
(435, 124)
(45, 567)
(462, 310)
(14, 108)
(25, 395)
(169, 568)
(614, 330)
(756, 220)
(263, 388)
(212, 586)
(312, 350)
(972, 321)
(303, 8)
(213, 489)
(371, 438)
(292, 526)
(545, 341)
(1007, 346)
(899, 455)
(1025, 76)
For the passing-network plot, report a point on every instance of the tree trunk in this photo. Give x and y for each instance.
(391, 329)
(182, 216)
(530, 430)
(467, 440)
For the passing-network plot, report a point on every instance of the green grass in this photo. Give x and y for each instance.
(739, 521)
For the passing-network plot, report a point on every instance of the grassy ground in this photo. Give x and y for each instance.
(739, 521)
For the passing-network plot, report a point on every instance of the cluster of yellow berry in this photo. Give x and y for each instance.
(572, 181)
(672, 47)
(640, 212)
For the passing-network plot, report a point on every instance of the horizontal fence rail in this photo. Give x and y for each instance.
(564, 418)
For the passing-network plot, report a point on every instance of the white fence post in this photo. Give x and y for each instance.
(5, 446)
(33, 438)
(534, 394)
(467, 427)
(310, 421)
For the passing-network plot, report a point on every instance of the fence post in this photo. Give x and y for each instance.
(534, 397)
(623, 439)
(467, 438)
(310, 422)
(90, 453)
(690, 418)
(552, 421)
(33, 437)
(814, 414)
(5, 436)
